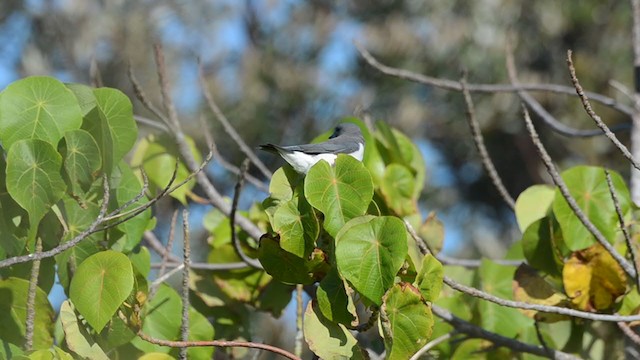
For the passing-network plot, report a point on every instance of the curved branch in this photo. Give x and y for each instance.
(218, 343)
(486, 88)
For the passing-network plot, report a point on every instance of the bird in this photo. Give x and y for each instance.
(346, 139)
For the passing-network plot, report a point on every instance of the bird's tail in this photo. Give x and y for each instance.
(270, 148)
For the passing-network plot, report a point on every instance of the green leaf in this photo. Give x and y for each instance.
(160, 319)
(369, 253)
(118, 113)
(429, 279)
(200, 329)
(341, 192)
(283, 265)
(296, 223)
(33, 179)
(82, 159)
(327, 339)
(542, 246)
(587, 184)
(333, 301)
(141, 261)
(398, 190)
(100, 285)
(37, 107)
(533, 204)
(13, 295)
(497, 280)
(84, 96)
(76, 336)
(407, 321)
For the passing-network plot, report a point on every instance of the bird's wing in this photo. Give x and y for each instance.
(329, 146)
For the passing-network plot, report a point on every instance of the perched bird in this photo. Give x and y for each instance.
(346, 139)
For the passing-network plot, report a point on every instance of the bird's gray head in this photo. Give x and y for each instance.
(346, 129)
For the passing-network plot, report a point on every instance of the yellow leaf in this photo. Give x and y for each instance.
(593, 279)
(529, 287)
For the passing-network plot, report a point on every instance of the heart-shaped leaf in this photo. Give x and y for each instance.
(33, 178)
(369, 252)
(100, 285)
(296, 223)
(82, 159)
(37, 107)
(587, 184)
(341, 192)
(407, 321)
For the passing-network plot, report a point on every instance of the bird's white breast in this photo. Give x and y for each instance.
(302, 162)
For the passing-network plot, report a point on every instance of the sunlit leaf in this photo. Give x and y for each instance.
(161, 319)
(100, 285)
(327, 339)
(429, 279)
(593, 279)
(76, 337)
(533, 204)
(37, 107)
(341, 192)
(369, 252)
(587, 184)
(407, 321)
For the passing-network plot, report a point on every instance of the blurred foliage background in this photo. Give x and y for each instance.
(285, 70)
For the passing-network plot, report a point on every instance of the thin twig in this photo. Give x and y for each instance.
(475, 331)
(184, 328)
(537, 307)
(430, 345)
(218, 343)
(228, 128)
(622, 89)
(145, 186)
(446, 260)
(596, 118)
(206, 266)
(571, 201)
(151, 123)
(299, 314)
(31, 299)
(164, 277)
(226, 164)
(627, 238)
(69, 244)
(165, 255)
(185, 151)
(539, 110)
(486, 88)
(628, 331)
(541, 339)
(140, 94)
(482, 149)
(234, 206)
(635, 130)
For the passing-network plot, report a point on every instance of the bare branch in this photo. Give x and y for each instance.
(206, 266)
(623, 227)
(234, 206)
(482, 149)
(430, 345)
(184, 327)
(228, 128)
(166, 252)
(596, 118)
(151, 123)
(185, 151)
(31, 299)
(69, 244)
(537, 307)
(446, 260)
(475, 331)
(571, 201)
(218, 343)
(629, 333)
(140, 94)
(486, 88)
(225, 164)
(299, 314)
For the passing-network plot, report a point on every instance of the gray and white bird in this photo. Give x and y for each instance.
(346, 139)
